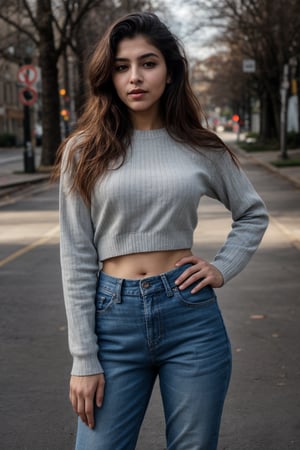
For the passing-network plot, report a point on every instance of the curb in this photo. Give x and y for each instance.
(16, 186)
(266, 165)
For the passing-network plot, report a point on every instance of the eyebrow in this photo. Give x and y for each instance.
(146, 55)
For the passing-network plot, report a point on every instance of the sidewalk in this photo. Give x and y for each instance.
(283, 182)
(13, 180)
(12, 176)
(266, 158)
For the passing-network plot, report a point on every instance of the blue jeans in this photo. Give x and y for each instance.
(147, 328)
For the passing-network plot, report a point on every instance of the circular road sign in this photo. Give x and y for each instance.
(27, 74)
(28, 96)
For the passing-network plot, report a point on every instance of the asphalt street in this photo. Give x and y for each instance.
(260, 308)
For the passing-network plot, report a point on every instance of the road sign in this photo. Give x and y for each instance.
(249, 65)
(27, 74)
(28, 96)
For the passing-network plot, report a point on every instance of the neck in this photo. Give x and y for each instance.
(144, 122)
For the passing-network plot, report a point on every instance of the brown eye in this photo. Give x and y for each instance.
(149, 64)
(120, 68)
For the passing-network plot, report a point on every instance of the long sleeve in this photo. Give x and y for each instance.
(230, 185)
(79, 264)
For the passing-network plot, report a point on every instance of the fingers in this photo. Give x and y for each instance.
(201, 271)
(84, 391)
(82, 405)
(100, 392)
(188, 260)
(88, 413)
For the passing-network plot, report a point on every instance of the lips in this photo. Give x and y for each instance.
(136, 94)
(136, 91)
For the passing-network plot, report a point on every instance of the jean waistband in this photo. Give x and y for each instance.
(144, 286)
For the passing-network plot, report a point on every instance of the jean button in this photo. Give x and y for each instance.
(146, 284)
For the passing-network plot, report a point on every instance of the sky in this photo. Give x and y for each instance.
(187, 20)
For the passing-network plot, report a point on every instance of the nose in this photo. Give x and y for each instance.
(135, 75)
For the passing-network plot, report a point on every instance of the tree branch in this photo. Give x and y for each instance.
(30, 14)
(19, 28)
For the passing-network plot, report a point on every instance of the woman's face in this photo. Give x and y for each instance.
(140, 77)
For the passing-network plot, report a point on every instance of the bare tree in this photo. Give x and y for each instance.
(267, 31)
(50, 27)
(56, 28)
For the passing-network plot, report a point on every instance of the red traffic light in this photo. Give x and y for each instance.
(235, 117)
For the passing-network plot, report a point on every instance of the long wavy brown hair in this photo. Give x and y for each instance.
(104, 130)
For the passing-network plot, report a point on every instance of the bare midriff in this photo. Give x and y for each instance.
(142, 265)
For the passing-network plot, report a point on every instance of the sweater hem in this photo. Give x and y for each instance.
(131, 243)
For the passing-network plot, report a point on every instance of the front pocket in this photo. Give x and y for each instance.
(104, 302)
(201, 298)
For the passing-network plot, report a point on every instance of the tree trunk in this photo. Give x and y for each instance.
(50, 90)
(268, 127)
(276, 107)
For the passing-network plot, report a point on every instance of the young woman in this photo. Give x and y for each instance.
(132, 175)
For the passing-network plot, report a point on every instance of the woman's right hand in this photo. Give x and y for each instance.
(84, 392)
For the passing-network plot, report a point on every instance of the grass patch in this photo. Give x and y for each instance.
(252, 143)
(286, 163)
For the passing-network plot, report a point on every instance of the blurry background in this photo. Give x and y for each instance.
(244, 58)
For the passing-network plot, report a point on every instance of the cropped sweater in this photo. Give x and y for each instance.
(148, 204)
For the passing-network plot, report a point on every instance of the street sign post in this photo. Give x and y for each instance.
(249, 65)
(27, 76)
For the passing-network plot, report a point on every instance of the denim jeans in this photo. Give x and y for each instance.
(148, 328)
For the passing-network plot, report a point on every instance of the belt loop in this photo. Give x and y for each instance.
(118, 291)
(167, 286)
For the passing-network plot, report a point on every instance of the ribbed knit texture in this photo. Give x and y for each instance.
(148, 204)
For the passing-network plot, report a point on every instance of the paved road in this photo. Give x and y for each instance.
(261, 310)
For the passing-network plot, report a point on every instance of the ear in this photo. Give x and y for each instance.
(169, 79)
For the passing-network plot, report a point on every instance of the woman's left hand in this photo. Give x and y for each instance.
(200, 270)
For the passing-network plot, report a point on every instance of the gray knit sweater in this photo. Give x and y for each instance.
(148, 204)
